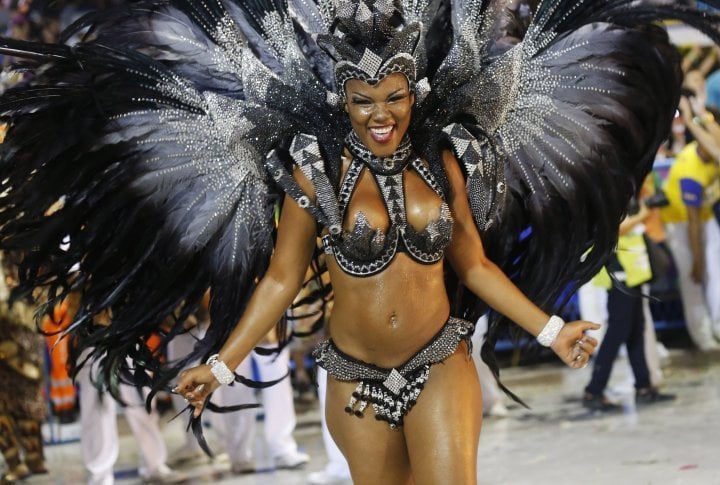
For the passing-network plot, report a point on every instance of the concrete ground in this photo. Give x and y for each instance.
(555, 442)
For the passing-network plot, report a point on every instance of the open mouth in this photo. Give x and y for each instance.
(382, 134)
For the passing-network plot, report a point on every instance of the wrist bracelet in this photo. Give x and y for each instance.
(550, 331)
(220, 370)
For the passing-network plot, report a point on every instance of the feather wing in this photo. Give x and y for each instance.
(143, 147)
(572, 115)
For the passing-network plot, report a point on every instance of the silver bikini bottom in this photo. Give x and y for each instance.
(392, 392)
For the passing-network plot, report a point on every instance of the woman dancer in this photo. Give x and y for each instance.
(397, 131)
(391, 325)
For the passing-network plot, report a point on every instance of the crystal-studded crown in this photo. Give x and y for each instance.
(371, 42)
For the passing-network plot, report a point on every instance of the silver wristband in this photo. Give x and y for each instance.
(221, 371)
(550, 331)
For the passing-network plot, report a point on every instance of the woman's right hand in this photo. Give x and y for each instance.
(195, 385)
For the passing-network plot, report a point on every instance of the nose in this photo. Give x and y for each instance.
(380, 112)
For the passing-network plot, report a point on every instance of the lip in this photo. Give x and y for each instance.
(380, 135)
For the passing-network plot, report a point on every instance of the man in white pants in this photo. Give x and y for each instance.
(99, 435)
(336, 470)
(236, 430)
(693, 235)
(493, 397)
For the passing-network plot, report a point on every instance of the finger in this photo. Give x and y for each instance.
(184, 383)
(577, 349)
(198, 392)
(580, 360)
(591, 326)
(199, 405)
(588, 340)
(581, 347)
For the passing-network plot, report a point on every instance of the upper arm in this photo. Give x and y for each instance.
(296, 239)
(694, 216)
(295, 244)
(466, 249)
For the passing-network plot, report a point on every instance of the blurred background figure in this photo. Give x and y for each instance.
(63, 396)
(236, 431)
(22, 405)
(693, 233)
(626, 323)
(493, 398)
(99, 439)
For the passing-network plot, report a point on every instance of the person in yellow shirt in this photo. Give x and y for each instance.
(693, 235)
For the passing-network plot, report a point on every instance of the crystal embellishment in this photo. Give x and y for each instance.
(395, 382)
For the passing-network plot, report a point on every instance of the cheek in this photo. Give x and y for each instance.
(359, 115)
(402, 113)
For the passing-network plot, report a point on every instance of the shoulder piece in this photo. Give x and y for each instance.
(305, 152)
(485, 174)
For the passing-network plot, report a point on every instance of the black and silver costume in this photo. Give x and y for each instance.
(158, 145)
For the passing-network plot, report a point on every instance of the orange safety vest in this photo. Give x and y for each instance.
(62, 388)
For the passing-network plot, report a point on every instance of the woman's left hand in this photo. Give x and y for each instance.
(573, 346)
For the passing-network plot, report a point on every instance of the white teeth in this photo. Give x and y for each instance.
(382, 131)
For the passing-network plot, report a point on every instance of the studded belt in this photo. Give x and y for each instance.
(392, 392)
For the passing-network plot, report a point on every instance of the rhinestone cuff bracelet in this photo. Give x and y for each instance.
(551, 331)
(220, 370)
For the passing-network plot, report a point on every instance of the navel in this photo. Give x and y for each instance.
(393, 320)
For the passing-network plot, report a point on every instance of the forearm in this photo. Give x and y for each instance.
(265, 308)
(713, 128)
(490, 284)
(695, 238)
(704, 138)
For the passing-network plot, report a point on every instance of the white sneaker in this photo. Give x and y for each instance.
(292, 460)
(498, 410)
(186, 455)
(709, 346)
(164, 475)
(325, 477)
(242, 467)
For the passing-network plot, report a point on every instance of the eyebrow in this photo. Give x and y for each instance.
(397, 91)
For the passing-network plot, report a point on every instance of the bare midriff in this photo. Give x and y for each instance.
(386, 318)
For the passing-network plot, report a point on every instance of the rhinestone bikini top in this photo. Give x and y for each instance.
(365, 251)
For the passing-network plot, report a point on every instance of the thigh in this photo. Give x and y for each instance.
(443, 429)
(377, 454)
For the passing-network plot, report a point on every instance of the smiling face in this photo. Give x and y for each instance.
(380, 114)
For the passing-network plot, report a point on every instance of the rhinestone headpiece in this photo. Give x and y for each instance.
(370, 43)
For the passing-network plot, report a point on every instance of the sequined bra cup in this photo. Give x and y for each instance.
(364, 250)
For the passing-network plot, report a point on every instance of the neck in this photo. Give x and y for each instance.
(390, 165)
